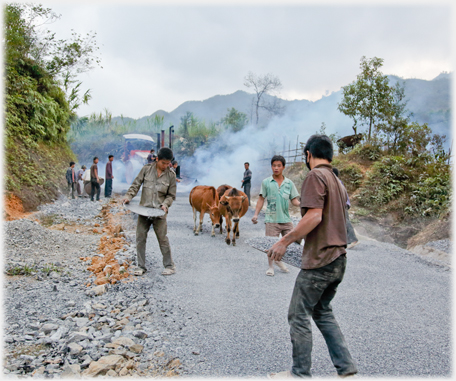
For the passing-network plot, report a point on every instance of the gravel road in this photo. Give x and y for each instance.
(219, 315)
(393, 307)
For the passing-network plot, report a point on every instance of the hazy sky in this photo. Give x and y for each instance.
(157, 56)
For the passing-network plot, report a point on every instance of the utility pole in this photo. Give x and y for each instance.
(158, 141)
(171, 137)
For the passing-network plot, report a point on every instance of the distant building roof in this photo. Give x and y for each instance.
(138, 137)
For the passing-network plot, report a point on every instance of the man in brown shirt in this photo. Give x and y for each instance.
(109, 176)
(159, 191)
(323, 261)
(94, 179)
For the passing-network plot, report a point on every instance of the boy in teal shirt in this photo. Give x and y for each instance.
(278, 190)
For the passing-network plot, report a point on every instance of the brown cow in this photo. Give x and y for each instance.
(204, 199)
(349, 141)
(221, 191)
(233, 205)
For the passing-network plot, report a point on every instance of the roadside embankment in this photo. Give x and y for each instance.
(72, 306)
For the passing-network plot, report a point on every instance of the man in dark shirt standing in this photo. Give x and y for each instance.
(322, 225)
(109, 176)
(94, 179)
(246, 180)
(71, 179)
(151, 157)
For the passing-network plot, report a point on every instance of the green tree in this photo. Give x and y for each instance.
(368, 99)
(395, 121)
(186, 122)
(235, 120)
(63, 60)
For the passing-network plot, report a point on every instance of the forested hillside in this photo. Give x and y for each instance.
(42, 94)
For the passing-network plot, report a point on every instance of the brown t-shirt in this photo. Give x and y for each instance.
(322, 190)
(93, 172)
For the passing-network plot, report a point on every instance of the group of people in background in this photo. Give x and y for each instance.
(84, 176)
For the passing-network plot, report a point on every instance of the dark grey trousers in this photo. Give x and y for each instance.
(161, 229)
(71, 189)
(314, 289)
(95, 188)
(247, 191)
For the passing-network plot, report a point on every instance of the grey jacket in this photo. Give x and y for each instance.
(157, 191)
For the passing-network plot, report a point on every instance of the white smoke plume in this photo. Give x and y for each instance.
(223, 161)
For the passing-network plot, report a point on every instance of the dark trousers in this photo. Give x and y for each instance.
(314, 289)
(161, 229)
(71, 189)
(247, 191)
(95, 186)
(351, 236)
(108, 187)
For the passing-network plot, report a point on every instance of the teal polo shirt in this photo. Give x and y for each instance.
(278, 199)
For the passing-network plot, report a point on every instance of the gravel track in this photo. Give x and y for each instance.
(220, 315)
(393, 307)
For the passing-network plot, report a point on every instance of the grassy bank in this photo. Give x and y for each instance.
(35, 174)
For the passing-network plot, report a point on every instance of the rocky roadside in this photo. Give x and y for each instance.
(55, 325)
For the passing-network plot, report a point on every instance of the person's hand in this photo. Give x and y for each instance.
(277, 251)
(125, 201)
(255, 219)
(242, 180)
(112, 177)
(163, 207)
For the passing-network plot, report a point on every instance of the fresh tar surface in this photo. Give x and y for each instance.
(393, 308)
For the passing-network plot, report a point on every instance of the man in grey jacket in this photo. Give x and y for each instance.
(246, 180)
(71, 179)
(159, 191)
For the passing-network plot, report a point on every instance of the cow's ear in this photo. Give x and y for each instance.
(224, 203)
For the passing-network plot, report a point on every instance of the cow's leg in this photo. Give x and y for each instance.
(235, 232)
(228, 230)
(221, 222)
(194, 222)
(200, 227)
(213, 230)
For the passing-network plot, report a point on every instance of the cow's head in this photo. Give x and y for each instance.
(234, 206)
(214, 213)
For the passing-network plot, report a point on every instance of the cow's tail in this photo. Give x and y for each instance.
(190, 197)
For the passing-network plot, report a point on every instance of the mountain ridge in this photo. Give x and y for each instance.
(428, 102)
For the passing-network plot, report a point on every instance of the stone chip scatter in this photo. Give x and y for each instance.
(57, 326)
(293, 255)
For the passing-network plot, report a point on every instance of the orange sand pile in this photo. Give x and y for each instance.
(106, 268)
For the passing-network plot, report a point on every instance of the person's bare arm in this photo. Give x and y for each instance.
(259, 205)
(296, 201)
(308, 223)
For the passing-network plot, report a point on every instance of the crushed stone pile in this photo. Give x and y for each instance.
(72, 210)
(444, 245)
(61, 322)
